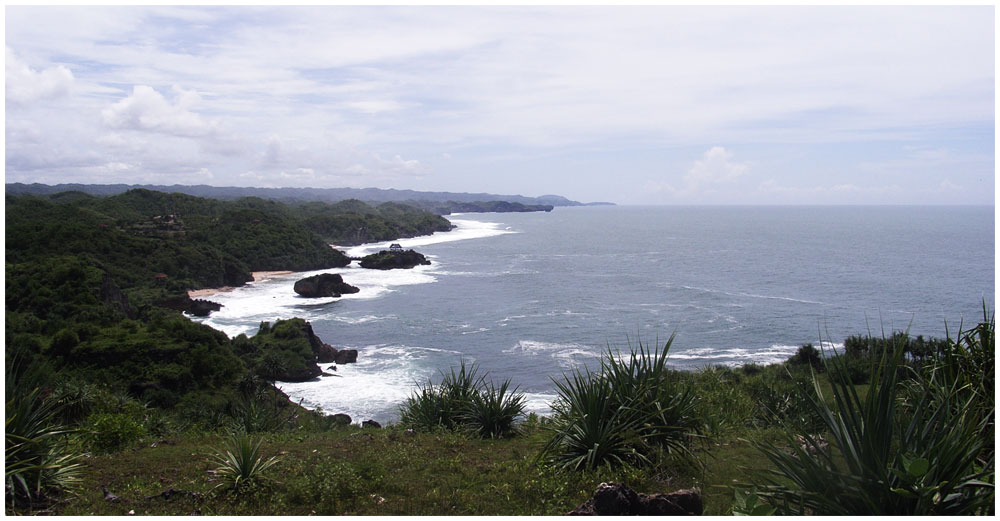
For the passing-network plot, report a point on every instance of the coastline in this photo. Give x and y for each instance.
(257, 277)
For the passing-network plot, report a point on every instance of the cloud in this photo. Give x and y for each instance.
(148, 110)
(397, 166)
(714, 168)
(25, 85)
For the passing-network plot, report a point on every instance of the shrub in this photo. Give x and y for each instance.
(908, 447)
(807, 355)
(110, 432)
(330, 487)
(623, 414)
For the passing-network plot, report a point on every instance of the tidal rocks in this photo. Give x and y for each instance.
(615, 499)
(201, 308)
(196, 307)
(391, 260)
(371, 424)
(347, 356)
(323, 285)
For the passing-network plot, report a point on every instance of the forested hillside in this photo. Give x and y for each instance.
(93, 285)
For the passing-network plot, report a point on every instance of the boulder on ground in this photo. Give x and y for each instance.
(323, 285)
(616, 499)
(371, 424)
(341, 419)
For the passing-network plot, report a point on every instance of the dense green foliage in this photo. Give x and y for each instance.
(353, 222)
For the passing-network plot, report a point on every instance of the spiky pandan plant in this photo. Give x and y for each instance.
(623, 414)
(493, 410)
(38, 463)
(464, 400)
(919, 442)
(241, 464)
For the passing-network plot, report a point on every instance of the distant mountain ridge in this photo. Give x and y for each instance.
(297, 194)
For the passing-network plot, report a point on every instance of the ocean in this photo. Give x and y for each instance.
(530, 296)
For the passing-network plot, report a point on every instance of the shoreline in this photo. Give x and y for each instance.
(258, 276)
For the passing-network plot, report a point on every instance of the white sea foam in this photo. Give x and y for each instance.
(465, 229)
(565, 354)
(539, 403)
(738, 356)
(384, 377)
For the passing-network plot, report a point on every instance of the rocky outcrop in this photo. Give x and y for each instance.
(294, 342)
(202, 308)
(341, 419)
(615, 499)
(325, 353)
(371, 424)
(196, 307)
(391, 260)
(323, 285)
(113, 297)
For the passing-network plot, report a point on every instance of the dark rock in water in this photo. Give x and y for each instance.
(325, 353)
(196, 307)
(347, 356)
(341, 419)
(390, 260)
(371, 424)
(323, 285)
(201, 308)
(615, 499)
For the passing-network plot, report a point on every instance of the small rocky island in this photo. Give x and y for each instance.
(393, 258)
(323, 285)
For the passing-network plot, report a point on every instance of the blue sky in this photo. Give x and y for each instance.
(640, 105)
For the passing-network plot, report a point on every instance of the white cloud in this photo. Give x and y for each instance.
(714, 168)
(148, 110)
(25, 85)
(397, 166)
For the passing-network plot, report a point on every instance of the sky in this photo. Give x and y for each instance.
(636, 105)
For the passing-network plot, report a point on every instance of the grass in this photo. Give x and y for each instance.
(378, 472)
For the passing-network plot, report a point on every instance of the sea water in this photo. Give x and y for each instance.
(531, 296)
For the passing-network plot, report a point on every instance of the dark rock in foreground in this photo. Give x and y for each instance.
(323, 285)
(371, 424)
(615, 499)
(390, 260)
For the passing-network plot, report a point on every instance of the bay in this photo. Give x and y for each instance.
(531, 296)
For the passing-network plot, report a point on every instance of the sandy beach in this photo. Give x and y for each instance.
(257, 277)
